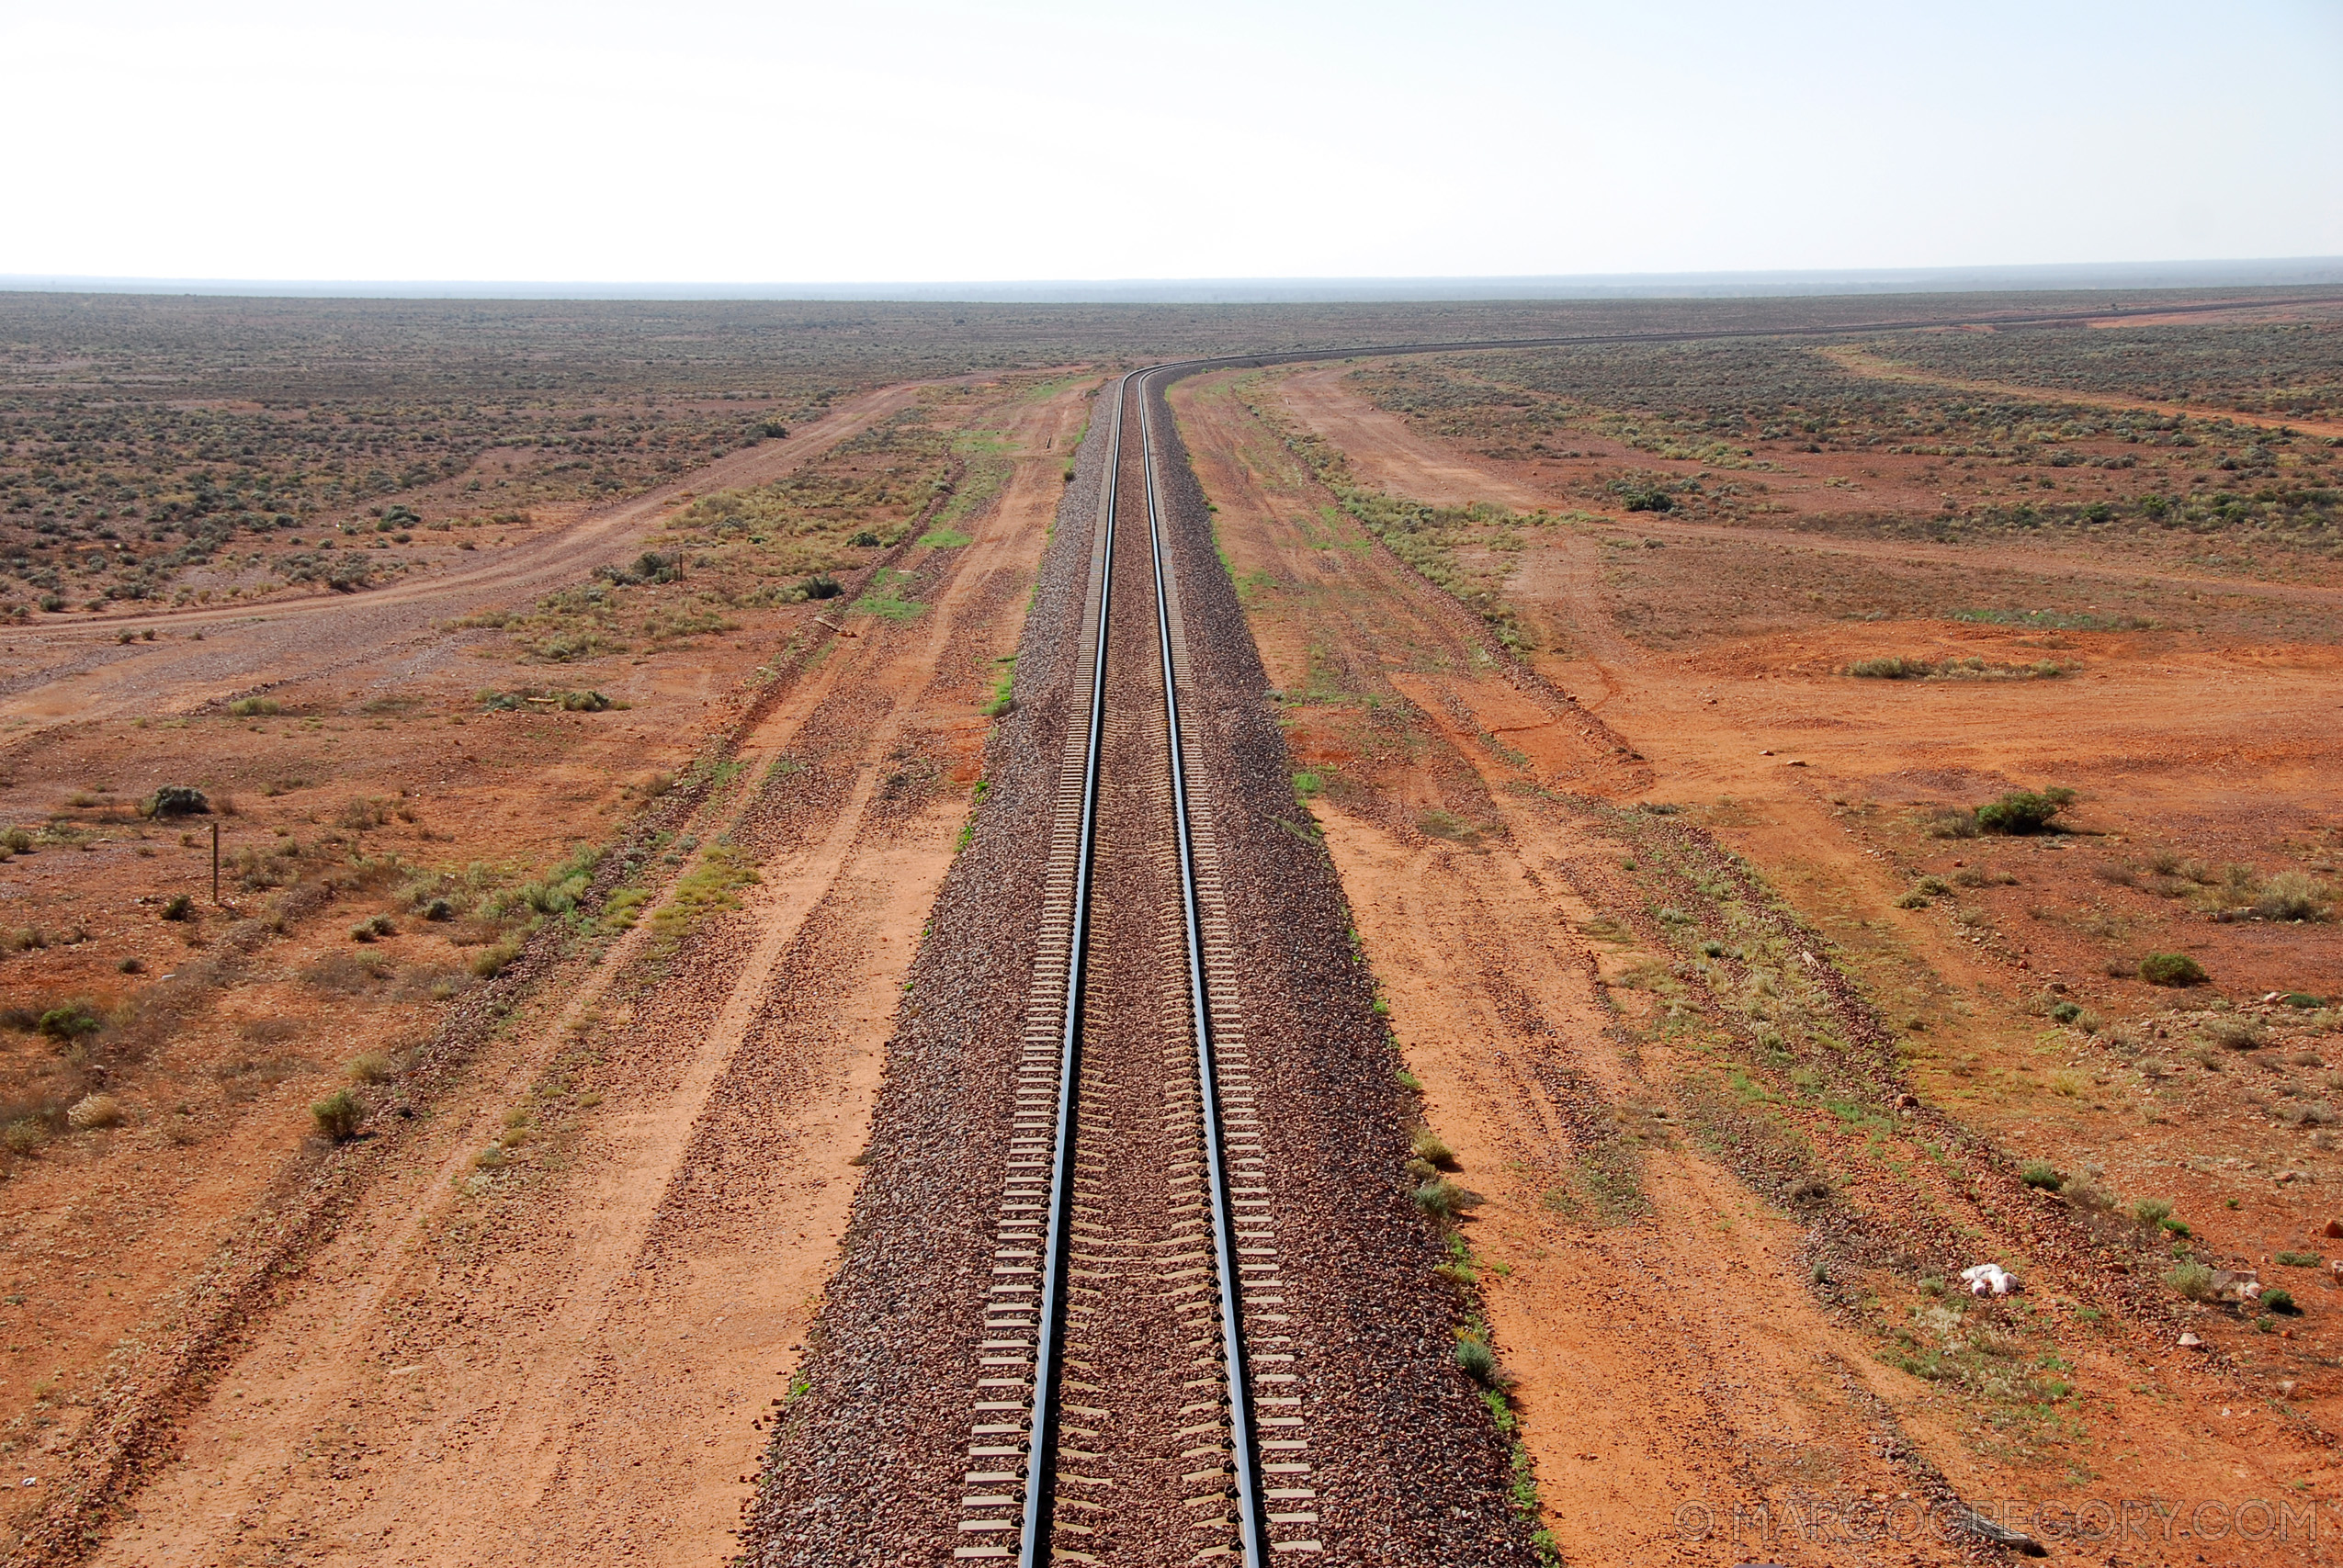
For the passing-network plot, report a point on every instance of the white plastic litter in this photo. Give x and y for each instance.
(1990, 1280)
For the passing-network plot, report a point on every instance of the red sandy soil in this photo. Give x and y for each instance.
(1676, 1356)
(482, 1352)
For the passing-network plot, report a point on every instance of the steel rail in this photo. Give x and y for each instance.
(1033, 1549)
(1224, 1245)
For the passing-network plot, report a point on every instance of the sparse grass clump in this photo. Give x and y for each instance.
(1444, 1199)
(2152, 1211)
(1479, 1360)
(373, 1066)
(2291, 895)
(1428, 1146)
(2192, 1279)
(2236, 1034)
(496, 957)
(95, 1111)
(707, 887)
(2039, 1173)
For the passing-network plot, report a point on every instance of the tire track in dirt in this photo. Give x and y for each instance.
(1856, 362)
(1384, 449)
(578, 1372)
(255, 648)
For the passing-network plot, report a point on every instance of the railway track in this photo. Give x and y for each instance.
(1114, 1355)
(1135, 1275)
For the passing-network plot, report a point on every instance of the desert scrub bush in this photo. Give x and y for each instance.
(1428, 1146)
(175, 800)
(2023, 811)
(2039, 1173)
(560, 891)
(95, 1111)
(2175, 969)
(1950, 822)
(2192, 1279)
(2236, 1034)
(2291, 895)
(2152, 1211)
(496, 957)
(2280, 1301)
(255, 707)
(373, 1066)
(178, 907)
(373, 928)
(69, 1022)
(338, 1116)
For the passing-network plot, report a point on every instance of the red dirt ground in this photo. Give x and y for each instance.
(1495, 943)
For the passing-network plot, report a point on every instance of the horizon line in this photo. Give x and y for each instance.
(2272, 272)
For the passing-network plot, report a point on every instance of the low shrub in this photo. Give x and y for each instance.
(92, 1111)
(2152, 1211)
(69, 1022)
(338, 1116)
(1479, 1360)
(2171, 969)
(2291, 895)
(2236, 1034)
(2039, 1173)
(822, 585)
(2023, 811)
(1894, 668)
(254, 707)
(494, 960)
(373, 1066)
(1429, 1147)
(1444, 1199)
(176, 800)
(2278, 1301)
(2192, 1279)
(178, 907)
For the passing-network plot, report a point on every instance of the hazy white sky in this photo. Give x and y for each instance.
(707, 140)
